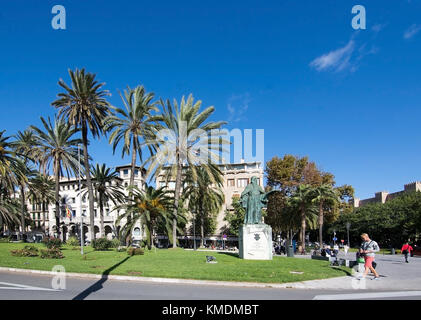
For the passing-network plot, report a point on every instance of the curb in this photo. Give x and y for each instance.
(290, 285)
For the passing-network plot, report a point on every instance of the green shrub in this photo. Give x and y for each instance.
(135, 251)
(52, 253)
(116, 243)
(101, 244)
(4, 240)
(52, 242)
(73, 241)
(27, 251)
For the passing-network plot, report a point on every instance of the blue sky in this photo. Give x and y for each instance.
(348, 99)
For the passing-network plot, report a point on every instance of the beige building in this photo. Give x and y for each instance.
(383, 196)
(236, 177)
(70, 199)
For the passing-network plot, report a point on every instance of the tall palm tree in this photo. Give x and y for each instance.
(322, 195)
(9, 164)
(183, 139)
(302, 199)
(26, 145)
(41, 192)
(152, 207)
(61, 150)
(205, 195)
(107, 188)
(132, 125)
(84, 106)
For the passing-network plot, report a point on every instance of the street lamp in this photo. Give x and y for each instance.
(348, 225)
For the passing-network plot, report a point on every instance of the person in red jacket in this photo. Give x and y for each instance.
(406, 251)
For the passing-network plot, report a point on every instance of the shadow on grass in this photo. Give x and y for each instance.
(231, 254)
(99, 284)
(348, 273)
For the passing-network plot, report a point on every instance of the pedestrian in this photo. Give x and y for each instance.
(406, 251)
(368, 250)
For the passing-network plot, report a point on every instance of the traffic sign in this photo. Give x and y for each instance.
(334, 239)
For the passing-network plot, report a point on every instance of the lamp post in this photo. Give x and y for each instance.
(348, 225)
(80, 205)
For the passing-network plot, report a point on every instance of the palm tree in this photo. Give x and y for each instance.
(84, 106)
(321, 195)
(61, 150)
(41, 192)
(152, 207)
(182, 139)
(302, 200)
(205, 195)
(103, 182)
(10, 174)
(9, 164)
(26, 145)
(132, 124)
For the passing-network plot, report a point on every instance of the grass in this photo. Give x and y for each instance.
(176, 263)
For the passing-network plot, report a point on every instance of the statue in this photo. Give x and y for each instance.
(253, 199)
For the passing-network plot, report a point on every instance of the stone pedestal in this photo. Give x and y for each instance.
(255, 242)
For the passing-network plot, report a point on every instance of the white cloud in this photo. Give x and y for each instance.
(336, 60)
(411, 31)
(237, 106)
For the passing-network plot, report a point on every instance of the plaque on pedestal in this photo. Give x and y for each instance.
(255, 242)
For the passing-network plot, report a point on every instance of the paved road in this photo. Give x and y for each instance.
(399, 281)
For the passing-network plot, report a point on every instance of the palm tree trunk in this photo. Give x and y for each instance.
(57, 177)
(176, 198)
(43, 215)
(88, 179)
(202, 232)
(303, 229)
(321, 223)
(22, 201)
(133, 161)
(101, 216)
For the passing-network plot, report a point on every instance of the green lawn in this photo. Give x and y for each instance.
(176, 263)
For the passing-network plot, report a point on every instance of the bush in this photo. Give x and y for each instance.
(135, 251)
(52, 253)
(4, 240)
(52, 242)
(116, 243)
(27, 251)
(73, 241)
(101, 244)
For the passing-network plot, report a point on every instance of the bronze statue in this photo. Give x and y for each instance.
(253, 199)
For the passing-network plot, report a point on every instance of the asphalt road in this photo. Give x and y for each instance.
(17, 286)
(399, 281)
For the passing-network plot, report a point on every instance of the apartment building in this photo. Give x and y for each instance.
(74, 207)
(236, 177)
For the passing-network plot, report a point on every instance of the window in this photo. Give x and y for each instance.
(73, 200)
(73, 213)
(136, 172)
(126, 172)
(161, 184)
(107, 212)
(136, 232)
(242, 183)
(171, 185)
(231, 183)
